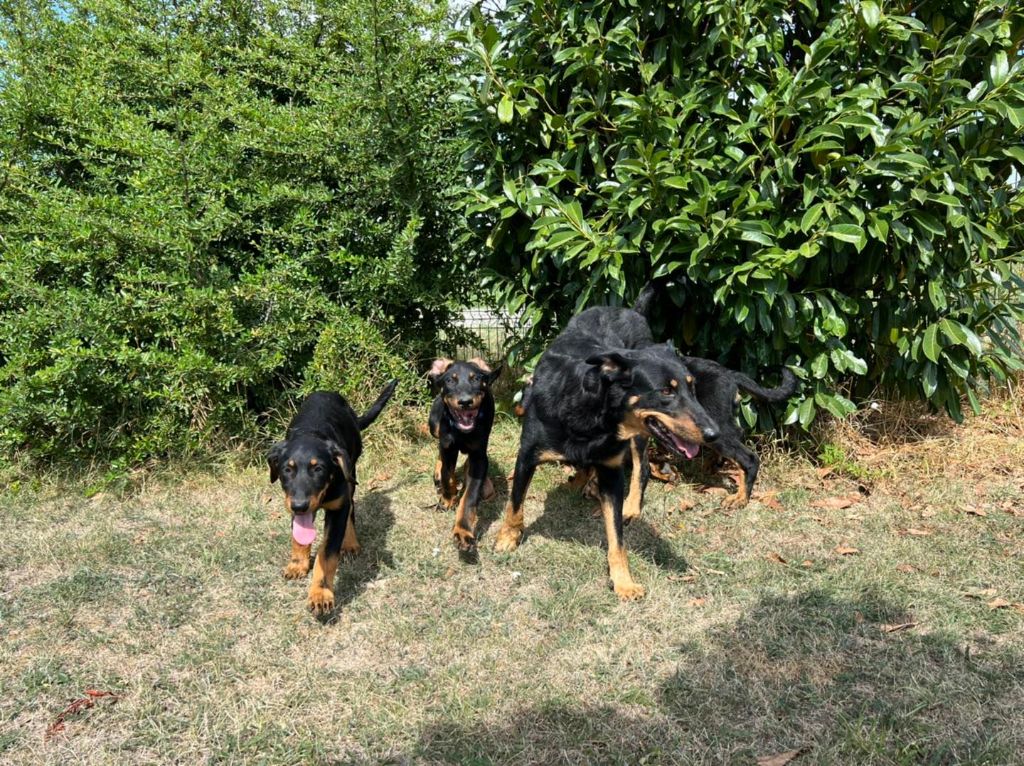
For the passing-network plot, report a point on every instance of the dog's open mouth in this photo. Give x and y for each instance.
(464, 419)
(668, 439)
(303, 527)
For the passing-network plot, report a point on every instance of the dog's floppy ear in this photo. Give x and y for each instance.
(344, 461)
(609, 367)
(492, 375)
(437, 369)
(274, 459)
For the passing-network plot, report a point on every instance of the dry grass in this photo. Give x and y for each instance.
(757, 637)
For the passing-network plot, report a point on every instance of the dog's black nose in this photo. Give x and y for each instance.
(298, 507)
(466, 403)
(709, 434)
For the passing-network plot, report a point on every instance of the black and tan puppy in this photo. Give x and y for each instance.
(718, 389)
(316, 464)
(460, 419)
(600, 385)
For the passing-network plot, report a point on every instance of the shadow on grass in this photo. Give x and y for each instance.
(814, 672)
(842, 678)
(568, 515)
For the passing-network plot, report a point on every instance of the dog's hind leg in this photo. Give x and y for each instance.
(512, 528)
(610, 481)
(733, 449)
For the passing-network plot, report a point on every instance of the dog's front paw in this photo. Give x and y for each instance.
(321, 600)
(629, 591)
(508, 539)
(296, 569)
(464, 539)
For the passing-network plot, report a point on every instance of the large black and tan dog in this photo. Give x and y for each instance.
(716, 388)
(316, 464)
(601, 384)
(460, 419)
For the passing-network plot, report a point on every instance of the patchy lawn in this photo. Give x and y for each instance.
(866, 612)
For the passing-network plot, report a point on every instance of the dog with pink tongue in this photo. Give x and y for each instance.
(316, 465)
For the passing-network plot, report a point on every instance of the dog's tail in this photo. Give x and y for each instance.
(371, 414)
(524, 397)
(780, 393)
(644, 299)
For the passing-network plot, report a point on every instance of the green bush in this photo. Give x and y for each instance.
(194, 195)
(354, 357)
(832, 185)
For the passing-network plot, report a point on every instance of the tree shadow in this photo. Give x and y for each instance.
(852, 680)
(815, 672)
(553, 733)
(569, 515)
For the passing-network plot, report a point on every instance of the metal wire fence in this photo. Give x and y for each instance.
(485, 333)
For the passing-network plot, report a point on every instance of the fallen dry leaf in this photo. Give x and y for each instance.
(682, 578)
(836, 503)
(906, 568)
(846, 550)
(687, 505)
(824, 472)
(917, 532)
(377, 480)
(1011, 509)
(998, 603)
(780, 759)
(973, 511)
(696, 602)
(776, 558)
(769, 500)
(898, 627)
(980, 592)
(806, 563)
(77, 706)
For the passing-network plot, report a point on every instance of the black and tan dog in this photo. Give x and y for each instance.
(718, 390)
(316, 464)
(460, 419)
(601, 384)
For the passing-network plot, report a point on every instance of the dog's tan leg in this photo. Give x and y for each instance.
(610, 482)
(631, 505)
(298, 563)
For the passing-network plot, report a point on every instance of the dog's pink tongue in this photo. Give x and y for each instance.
(688, 448)
(302, 528)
